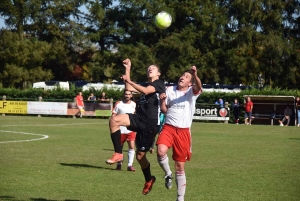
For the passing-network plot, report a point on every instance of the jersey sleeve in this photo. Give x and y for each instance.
(159, 86)
(192, 96)
(115, 108)
(134, 105)
(168, 93)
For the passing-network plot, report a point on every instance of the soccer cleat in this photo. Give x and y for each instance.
(119, 167)
(148, 186)
(131, 169)
(117, 157)
(168, 181)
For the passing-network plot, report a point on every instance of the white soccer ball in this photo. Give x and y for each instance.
(163, 20)
(280, 124)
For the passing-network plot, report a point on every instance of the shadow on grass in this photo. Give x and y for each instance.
(43, 199)
(294, 138)
(11, 198)
(124, 150)
(6, 197)
(84, 166)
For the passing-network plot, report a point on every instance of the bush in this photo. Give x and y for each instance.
(117, 94)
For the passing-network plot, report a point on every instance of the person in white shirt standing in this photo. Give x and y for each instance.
(126, 106)
(178, 104)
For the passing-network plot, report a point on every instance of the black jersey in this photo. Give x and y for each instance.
(148, 105)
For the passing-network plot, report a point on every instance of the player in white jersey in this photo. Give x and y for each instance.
(126, 106)
(178, 104)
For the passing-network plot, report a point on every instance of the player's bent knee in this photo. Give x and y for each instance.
(162, 150)
(119, 120)
(112, 120)
(141, 157)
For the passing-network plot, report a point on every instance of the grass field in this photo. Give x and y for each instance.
(229, 162)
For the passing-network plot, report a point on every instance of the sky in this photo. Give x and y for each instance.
(1, 23)
(115, 2)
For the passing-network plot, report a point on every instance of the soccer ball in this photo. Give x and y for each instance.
(281, 124)
(163, 20)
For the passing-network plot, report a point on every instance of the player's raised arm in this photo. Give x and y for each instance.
(136, 87)
(198, 85)
(126, 77)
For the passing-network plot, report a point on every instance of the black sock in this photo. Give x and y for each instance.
(147, 173)
(116, 140)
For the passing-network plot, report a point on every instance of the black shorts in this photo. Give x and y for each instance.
(145, 132)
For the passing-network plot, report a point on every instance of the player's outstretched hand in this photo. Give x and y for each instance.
(162, 96)
(194, 70)
(127, 64)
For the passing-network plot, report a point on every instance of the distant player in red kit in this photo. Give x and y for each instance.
(80, 103)
(248, 111)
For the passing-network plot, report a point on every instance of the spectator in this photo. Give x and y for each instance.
(235, 106)
(287, 116)
(220, 102)
(248, 111)
(92, 97)
(298, 110)
(103, 98)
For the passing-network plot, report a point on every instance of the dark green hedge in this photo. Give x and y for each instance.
(63, 95)
(60, 95)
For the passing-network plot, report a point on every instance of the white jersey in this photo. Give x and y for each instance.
(181, 106)
(124, 108)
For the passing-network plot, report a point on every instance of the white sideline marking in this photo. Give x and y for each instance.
(44, 136)
(23, 133)
(51, 124)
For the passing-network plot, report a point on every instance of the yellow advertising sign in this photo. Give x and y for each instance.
(13, 107)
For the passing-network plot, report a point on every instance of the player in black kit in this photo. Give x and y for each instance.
(145, 122)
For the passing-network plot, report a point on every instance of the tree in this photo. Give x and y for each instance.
(230, 41)
(21, 60)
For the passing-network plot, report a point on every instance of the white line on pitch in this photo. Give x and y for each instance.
(23, 133)
(52, 124)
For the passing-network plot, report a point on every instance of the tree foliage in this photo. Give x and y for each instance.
(230, 41)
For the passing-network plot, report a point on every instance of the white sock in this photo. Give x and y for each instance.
(181, 185)
(164, 164)
(131, 153)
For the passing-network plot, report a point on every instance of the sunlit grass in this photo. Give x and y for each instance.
(229, 162)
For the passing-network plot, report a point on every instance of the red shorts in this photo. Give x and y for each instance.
(179, 139)
(127, 137)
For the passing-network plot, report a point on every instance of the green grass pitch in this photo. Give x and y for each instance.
(229, 162)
